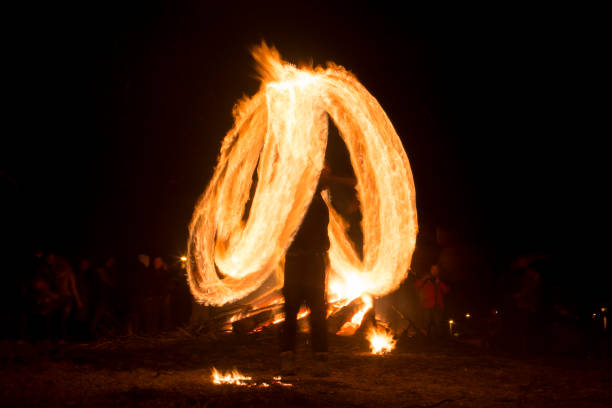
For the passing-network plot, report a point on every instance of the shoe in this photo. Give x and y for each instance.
(287, 363)
(321, 365)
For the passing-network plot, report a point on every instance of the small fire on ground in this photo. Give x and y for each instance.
(381, 341)
(234, 377)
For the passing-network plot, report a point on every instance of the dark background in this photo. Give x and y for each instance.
(120, 111)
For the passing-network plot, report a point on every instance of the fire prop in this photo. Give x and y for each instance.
(281, 132)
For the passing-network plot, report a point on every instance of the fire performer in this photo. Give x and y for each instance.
(305, 265)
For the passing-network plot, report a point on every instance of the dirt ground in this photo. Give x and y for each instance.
(174, 370)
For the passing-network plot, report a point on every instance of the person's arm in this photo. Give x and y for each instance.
(346, 181)
(327, 179)
(74, 290)
(444, 287)
(419, 283)
(104, 276)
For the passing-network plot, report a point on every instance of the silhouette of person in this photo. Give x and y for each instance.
(305, 264)
(433, 291)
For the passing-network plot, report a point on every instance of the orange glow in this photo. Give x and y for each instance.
(381, 341)
(349, 328)
(236, 378)
(281, 133)
(233, 377)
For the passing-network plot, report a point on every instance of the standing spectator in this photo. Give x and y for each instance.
(65, 285)
(20, 295)
(44, 304)
(135, 288)
(432, 294)
(161, 294)
(85, 285)
(526, 307)
(180, 305)
(102, 286)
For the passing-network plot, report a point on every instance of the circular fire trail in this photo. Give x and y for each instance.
(281, 133)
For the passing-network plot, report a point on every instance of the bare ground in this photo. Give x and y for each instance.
(175, 371)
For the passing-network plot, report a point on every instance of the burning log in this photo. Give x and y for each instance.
(250, 323)
(336, 320)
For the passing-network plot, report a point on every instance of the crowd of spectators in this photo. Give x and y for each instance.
(82, 299)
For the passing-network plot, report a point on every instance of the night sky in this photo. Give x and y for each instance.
(123, 109)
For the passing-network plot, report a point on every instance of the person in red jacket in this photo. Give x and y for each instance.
(432, 295)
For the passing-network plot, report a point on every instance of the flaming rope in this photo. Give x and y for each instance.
(282, 133)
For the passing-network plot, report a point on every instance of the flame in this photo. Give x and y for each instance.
(349, 328)
(233, 377)
(236, 378)
(381, 341)
(281, 133)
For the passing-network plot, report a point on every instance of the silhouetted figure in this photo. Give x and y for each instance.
(45, 305)
(526, 306)
(21, 296)
(161, 293)
(305, 265)
(84, 275)
(157, 297)
(180, 297)
(135, 288)
(433, 292)
(65, 286)
(101, 294)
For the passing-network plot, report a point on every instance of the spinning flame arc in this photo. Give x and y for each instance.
(281, 132)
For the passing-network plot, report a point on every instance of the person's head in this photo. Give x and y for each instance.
(84, 264)
(435, 271)
(326, 170)
(50, 258)
(110, 262)
(158, 262)
(144, 259)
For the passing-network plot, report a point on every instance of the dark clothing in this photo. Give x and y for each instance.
(305, 266)
(433, 294)
(305, 282)
(433, 321)
(312, 236)
(432, 302)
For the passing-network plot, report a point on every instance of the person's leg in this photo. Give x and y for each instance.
(316, 300)
(438, 326)
(65, 316)
(95, 320)
(167, 312)
(317, 304)
(292, 292)
(428, 321)
(289, 331)
(292, 306)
